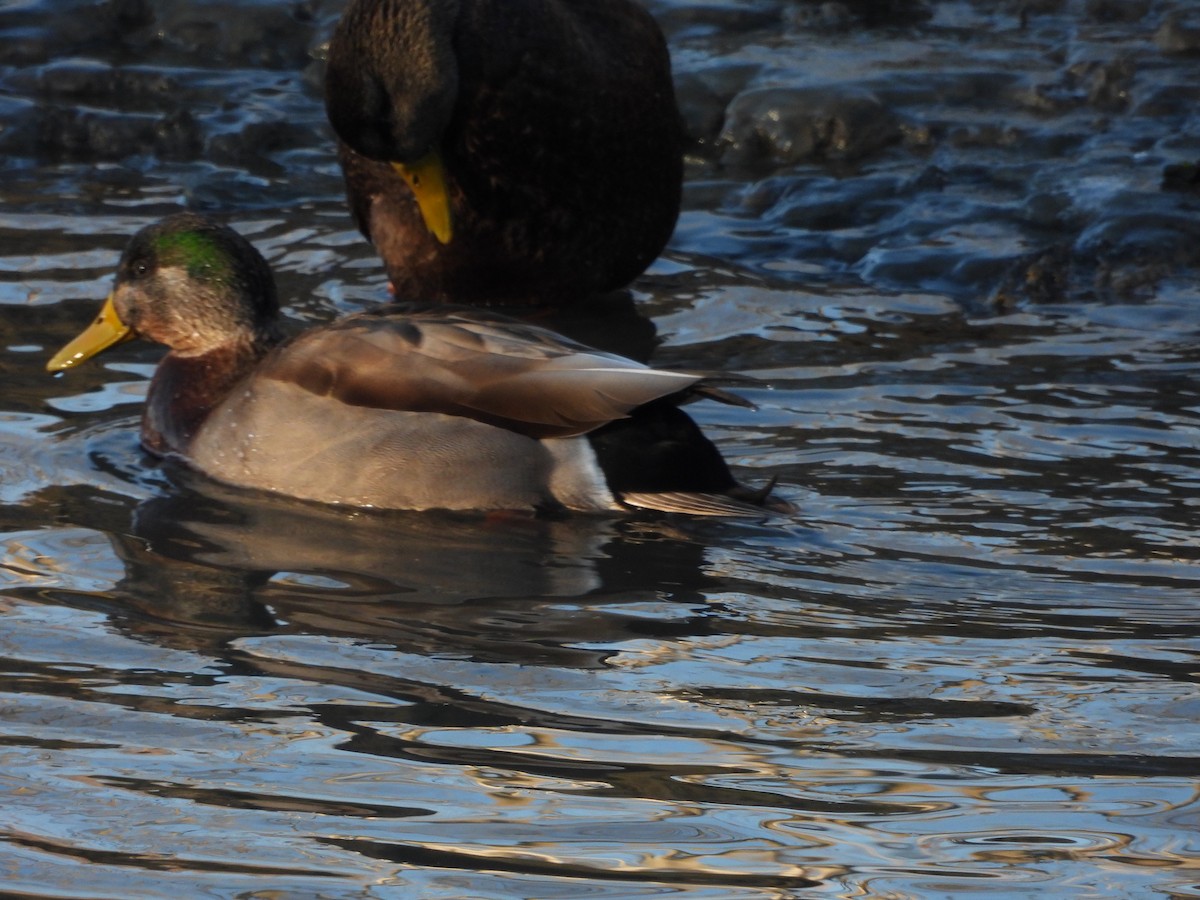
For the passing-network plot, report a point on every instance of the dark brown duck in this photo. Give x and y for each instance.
(506, 151)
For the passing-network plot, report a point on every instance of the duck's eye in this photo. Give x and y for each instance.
(138, 268)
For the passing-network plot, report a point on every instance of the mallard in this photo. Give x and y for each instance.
(397, 407)
(506, 151)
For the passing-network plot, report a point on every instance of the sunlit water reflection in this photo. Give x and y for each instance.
(967, 665)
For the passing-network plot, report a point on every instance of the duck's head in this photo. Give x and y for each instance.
(186, 282)
(391, 84)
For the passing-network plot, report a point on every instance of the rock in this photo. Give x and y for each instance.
(702, 109)
(727, 18)
(1178, 34)
(71, 135)
(783, 126)
(1182, 177)
(1109, 85)
(837, 16)
(703, 99)
(1117, 10)
(250, 147)
(261, 36)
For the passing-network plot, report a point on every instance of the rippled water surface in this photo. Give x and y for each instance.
(960, 241)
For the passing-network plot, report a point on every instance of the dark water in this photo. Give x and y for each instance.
(960, 240)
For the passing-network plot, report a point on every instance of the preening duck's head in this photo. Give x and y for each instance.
(391, 80)
(391, 85)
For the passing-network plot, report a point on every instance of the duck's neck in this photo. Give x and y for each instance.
(186, 389)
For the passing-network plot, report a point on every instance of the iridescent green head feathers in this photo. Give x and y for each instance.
(210, 254)
(189, 283)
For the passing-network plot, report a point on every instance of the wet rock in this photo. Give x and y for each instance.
(251, 146)
(1179, 33)
(1146, 237)
(703, 98)
(987, 134)
(1182, 177)
(964, 259)
(177, 136)
(845, 14)
(128, 15)
(828, 204)
(1048, 210)
(702, 109)
(822, 17)
(38, 32)
(1026, 10)
(1042, 277)
(783, 126)
(1052, 98)
(1105, 85)
(724, 19)
(1171, 100)
(80, 81)
(1108, 85)
(1117, 10)
(204, 33)
(71, 135)
(260, 36)
(1117, 257)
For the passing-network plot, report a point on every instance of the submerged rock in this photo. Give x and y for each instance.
(821, 14)
(1182, 177)
(62, 134)
(1179, 33)
(1117, 10)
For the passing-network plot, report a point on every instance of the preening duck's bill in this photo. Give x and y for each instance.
(106, 331)
(427, 179)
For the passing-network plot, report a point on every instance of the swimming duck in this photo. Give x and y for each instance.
(399, 408)
(506, 151)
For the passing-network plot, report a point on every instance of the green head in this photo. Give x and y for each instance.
(187, 282)
(196, 250)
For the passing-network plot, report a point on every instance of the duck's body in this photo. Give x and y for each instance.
(398, 408)
(557, 132)
(437, 408)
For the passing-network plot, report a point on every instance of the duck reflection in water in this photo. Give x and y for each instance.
(206, 565)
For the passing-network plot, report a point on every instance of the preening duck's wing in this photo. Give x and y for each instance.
(485, 367)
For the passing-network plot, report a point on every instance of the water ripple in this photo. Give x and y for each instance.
(955, 241)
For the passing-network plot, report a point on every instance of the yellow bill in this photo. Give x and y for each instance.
(104, 332)
(427, 179)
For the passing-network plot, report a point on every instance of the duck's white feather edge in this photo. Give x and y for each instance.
(576, 479)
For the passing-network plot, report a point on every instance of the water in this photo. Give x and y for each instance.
(967, 666)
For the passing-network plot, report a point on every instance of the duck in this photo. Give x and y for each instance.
(507, 152)
(403, 406)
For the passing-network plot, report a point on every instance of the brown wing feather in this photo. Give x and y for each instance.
(489, 368)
